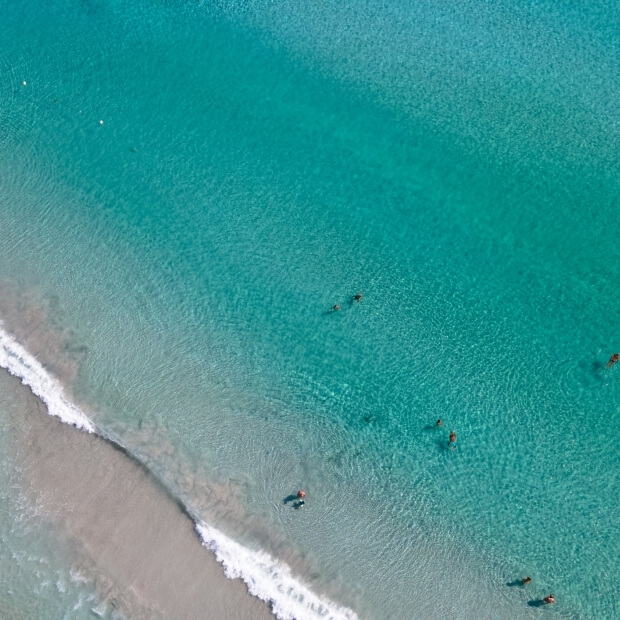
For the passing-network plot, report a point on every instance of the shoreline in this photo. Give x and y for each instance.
(122, 525)
(79, 477)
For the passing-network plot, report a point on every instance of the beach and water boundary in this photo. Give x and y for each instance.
(264, 577)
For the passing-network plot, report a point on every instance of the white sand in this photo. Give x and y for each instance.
(121, 525)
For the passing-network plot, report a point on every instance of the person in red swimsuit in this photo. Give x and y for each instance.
(613, 360)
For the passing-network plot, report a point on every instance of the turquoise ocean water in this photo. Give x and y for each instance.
(259, 162)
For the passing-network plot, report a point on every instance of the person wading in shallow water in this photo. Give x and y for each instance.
(549, 599)
(439, 423)
(335, 308)
(358, 297)
(452, 443)
(526, 580)
(613, 360)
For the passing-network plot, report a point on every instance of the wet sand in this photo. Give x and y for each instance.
(120, 524)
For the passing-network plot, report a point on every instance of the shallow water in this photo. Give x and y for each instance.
(254, 167)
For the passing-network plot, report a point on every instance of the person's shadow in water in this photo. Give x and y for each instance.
(512, 584)
(597, 370)
(594, 370)
(298, 502)
(444, 445)
(537, 603)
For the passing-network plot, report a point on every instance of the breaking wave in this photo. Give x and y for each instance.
(20, 363)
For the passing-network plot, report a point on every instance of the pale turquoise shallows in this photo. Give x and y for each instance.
(194, 185)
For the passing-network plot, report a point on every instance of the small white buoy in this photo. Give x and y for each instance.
(24, 82)
(101, 122)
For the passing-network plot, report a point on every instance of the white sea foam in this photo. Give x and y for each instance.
(270, 580)
(22, 364)
(266, 578)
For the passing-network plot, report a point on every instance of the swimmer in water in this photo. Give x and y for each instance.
(452, 443)
(439, 423)
(549, 599)
(526, 580)
(358, 297)
(335, 308)
(613, 360)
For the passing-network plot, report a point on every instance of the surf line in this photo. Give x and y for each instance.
(265, 577)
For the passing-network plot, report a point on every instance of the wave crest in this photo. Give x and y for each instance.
(21, 364)
(270, 580)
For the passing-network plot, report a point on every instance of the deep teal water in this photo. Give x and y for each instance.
(259, 163)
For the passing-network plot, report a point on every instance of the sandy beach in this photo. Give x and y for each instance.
(120, 525)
